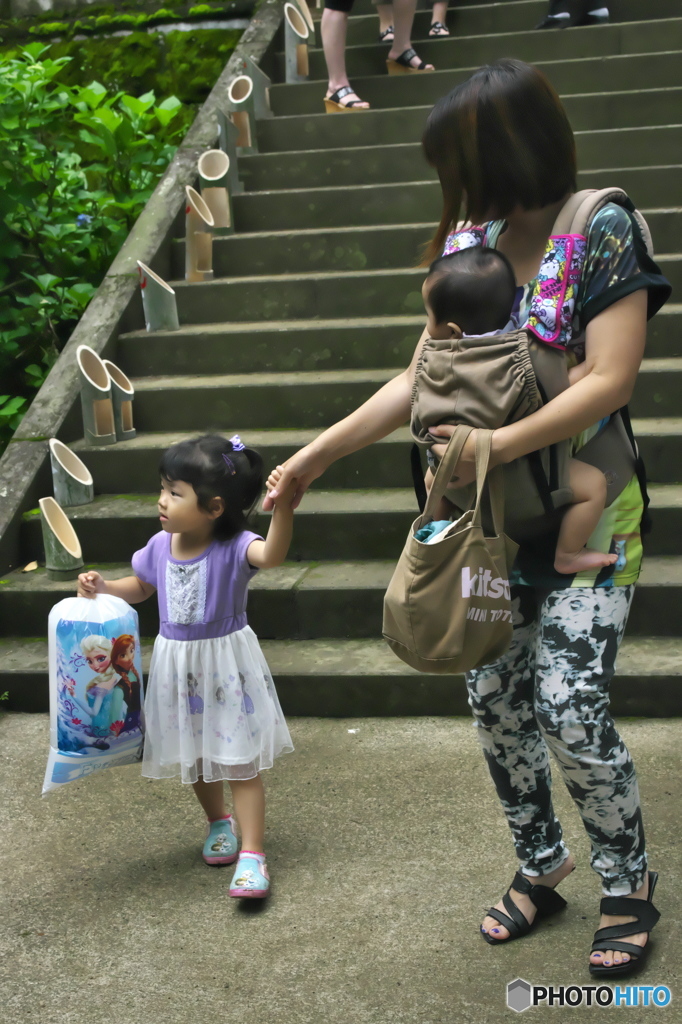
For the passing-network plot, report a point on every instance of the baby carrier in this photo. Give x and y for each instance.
(488, 382)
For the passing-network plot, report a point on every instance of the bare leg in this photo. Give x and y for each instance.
(385, 12)
(212, 798)
(248, 797)
(333, 29)
(440, 13)
(445, 508)
(580, 520)
(403, 16)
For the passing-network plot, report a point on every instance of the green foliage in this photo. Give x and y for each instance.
(77, 164)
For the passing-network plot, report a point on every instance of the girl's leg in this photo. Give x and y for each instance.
(501, 698)
(248, 796)
(212, 798)
(581, 631)
(403, 16)
(580, 520)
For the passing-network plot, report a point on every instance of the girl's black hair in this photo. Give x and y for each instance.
(215, 470)
(474, 288)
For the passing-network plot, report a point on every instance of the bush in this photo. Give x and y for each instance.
(77, 166)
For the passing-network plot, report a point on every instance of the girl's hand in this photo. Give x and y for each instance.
(285, 495)
(90, 584)
(302, 468)
(466, 466)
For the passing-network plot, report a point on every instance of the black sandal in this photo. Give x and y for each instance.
(383, 36)
(441, 30)
(646, 917)
(547, 900)
(401, 65)
(332, 104)
(571, 14)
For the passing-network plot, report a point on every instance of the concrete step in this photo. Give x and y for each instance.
(660, 443)
(363, 678)
(490, 18)
(587, 112)
(357, 248)
(589, 41)
(307, 601)
(419, 201)
(371, 164)
(568, 75)
(322, 295)
(294, 345)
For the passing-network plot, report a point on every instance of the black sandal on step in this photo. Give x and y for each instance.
(332, 104)
(438, 30)
(401, 65)
(383, 36)
(547, 900)
(624, 906)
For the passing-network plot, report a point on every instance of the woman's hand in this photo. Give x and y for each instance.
(466, 465)
(303, 467)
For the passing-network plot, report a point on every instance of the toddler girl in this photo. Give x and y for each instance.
(471, 292)
(211, 709)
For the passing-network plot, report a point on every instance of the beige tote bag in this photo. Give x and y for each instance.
(447, 608)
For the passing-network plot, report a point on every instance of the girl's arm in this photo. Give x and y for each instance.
(266, 554)
(380, 415)
(615, 342)
(132, 589)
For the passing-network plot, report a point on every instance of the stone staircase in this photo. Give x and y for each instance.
(316, 303)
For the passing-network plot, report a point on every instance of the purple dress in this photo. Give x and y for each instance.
(211, 707)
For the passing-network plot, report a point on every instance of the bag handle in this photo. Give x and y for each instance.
(494, 479)
(446, 467)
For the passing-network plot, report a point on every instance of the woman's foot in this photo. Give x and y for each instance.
(409, 59)
(438, 29)
(582, 561)
(610, 957)
(524, 903)
(344, 98)
(387, 35)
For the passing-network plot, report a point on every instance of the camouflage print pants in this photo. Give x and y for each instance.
(550, 692)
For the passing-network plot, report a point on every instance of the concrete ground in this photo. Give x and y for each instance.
(386, 845)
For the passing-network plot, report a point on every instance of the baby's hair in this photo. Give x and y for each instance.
(216, 470)
(473, 288)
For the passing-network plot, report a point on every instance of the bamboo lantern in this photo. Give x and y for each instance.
(158, 301)
(96, 400)
(296, 34)
(198, 238)
(229, 133)
(71, 479)
(242, 110)
(261, 88)
(214, 167)
(122, 394)
(63, 555)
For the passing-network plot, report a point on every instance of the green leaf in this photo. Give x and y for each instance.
(92, 94)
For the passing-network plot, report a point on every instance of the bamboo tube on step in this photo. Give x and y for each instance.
(63, 554)
(198, 238)
(214, 167)
(296, 34)
(71, 479)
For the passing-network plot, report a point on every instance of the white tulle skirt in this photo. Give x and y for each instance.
(212, 710)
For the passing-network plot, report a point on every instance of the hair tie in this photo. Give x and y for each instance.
(236, 442)
(229, 463)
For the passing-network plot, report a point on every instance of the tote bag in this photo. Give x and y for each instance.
(447, 608)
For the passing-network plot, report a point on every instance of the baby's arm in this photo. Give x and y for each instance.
(266, 554)
(577, 373)
(132, 589)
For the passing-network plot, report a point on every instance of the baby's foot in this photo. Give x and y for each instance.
(496, 930)
(582, 561)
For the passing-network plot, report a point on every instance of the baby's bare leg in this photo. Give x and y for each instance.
(445, 508)
(580, 519)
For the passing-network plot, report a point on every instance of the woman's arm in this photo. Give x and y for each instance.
(614, 348)
(380, 415)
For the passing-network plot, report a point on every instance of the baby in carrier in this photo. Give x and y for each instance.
(471, 293)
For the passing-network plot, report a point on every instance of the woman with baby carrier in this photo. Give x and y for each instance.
(505, 154)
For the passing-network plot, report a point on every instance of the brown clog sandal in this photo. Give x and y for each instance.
(401, 65)
(333, 106)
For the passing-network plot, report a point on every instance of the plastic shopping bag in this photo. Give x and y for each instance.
(96, 694)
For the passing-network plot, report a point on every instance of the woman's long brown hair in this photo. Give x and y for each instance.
(499, 140)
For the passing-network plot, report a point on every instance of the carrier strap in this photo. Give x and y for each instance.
(418, 477)
(640, 470)
(541, 482)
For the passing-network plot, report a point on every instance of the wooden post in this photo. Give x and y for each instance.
(214, 168)
(63, 554)
(261, 87)
(240, 104)
(71, 479)
(158, 301)
(296, 34)
(198, 238)
(229, 133)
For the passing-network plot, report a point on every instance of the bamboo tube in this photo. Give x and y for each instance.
(122, 394)
(214, 168)
(96, 402)
(71, 479)
(63, 555)
(229, 133)
(241, 106)
(261, 87)
(296, 33)
(158, 301)
(198, 238)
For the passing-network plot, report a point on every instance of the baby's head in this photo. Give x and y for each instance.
(209, 481)
(469, 292)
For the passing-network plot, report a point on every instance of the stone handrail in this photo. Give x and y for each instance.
(24, 467)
